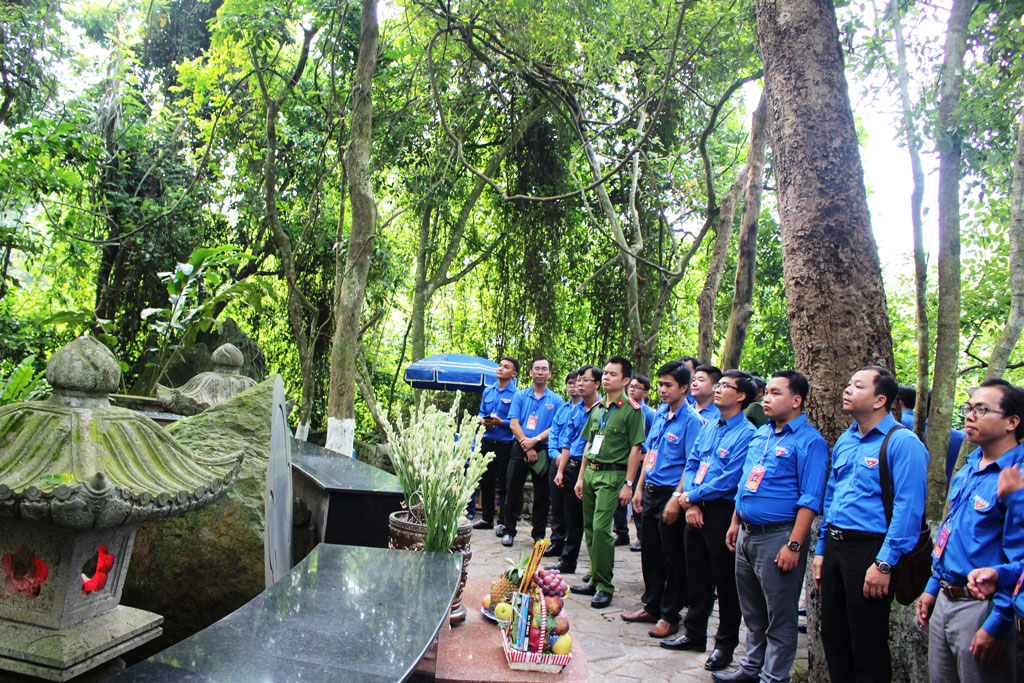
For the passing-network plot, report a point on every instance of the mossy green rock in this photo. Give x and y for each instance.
(196, 568)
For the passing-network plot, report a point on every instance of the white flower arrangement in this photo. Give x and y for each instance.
(437, 458)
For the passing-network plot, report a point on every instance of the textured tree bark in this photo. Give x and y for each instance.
(1015, 321)
(713, 278)
(916, 199)
(947, 321)
(743, 292)
(835, 300)
(352, 292)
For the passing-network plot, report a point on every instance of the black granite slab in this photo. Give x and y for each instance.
(337, 472)
(342, 614)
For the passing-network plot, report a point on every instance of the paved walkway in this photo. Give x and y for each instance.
(616, 651)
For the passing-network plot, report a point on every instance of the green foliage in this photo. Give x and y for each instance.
(24, 383)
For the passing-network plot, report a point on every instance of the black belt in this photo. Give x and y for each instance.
(853, 535)
(598, 466)
(654, 490)
(766, 528)
(720, 502)
(956, 592)
(574, 462)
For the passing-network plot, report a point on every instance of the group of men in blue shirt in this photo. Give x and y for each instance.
(726, 510)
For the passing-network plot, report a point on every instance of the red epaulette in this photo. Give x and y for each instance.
(636, 406)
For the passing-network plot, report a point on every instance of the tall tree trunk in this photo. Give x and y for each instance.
(916, 200)
(349, 306)
(743, 294)
(947, 322)
(834, 293)
(1015, 321)
(716, 267)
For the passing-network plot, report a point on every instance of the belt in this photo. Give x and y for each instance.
(654, 490)
(719, 502)
(574, 462)
(766, 528)
(853, 535)
(956, 592)
(599, 466)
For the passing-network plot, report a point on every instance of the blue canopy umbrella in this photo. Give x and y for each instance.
(452, 372)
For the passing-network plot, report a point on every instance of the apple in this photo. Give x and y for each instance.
(561, 626)
(503, 611)
(562, 645)
(486, 602)
(554, 604)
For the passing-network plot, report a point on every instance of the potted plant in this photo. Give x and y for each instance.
(436, 455)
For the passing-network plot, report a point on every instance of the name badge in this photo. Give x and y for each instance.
(940, 542)
(531, 423)
(595, 445)
(702, 471)
(652, 456)
(754, 480)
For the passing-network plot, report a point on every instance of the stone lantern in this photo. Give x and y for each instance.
(77, 476)
(207, 389)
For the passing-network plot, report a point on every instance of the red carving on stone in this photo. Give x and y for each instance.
(104, 563)
(25, 573)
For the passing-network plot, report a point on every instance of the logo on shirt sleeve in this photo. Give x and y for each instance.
(870, 462)
(980, 503)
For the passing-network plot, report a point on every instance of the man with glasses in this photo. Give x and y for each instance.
(554, 450)
(707, 493)
(572, 442)
(967, 637)
(494, 406)
(530, 417)
(856, 548)
(639, 389)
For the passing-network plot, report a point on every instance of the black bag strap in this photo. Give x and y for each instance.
(883, 475)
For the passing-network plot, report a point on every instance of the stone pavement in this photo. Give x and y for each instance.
(616, 651)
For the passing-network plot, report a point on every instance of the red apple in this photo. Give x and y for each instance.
(561, 626)
(554, 604)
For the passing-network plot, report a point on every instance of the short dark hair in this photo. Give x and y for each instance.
(677, 370)
(540, 357)
(622, 362)
(798, 384)
(511, 360)
(689, 359)
(595, 372)
(907, 395)
(744, 383)
(710, 370)
(759, 382)
(885, 384)
(572, 375)
(1012, 402)
(643, 381)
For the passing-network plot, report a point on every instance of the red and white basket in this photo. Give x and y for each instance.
(521, 660)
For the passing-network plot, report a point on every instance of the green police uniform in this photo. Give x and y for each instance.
(620, 427)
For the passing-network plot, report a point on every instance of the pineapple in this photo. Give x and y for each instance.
(501, 590)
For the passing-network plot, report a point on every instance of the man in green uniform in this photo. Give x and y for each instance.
(614, 433)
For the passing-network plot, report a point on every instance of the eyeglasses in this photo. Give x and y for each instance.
(584, 380)
(979, 411)
(723, 386)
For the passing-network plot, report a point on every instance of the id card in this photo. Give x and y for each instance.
(531, 423)
(652, 456)
(754, 480)
(595, 445)
(702, 471)
(940, 542)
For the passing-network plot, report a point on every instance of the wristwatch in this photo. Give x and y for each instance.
(883, 567)
(794, 546)
(677, 494)
(629, 483)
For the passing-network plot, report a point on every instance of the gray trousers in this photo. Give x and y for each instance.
(950, 631)
(770, 600)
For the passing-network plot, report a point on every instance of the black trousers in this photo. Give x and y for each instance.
(710, 564)
(663, 560)
(854, 629)
(494, 476)
(620, 526)
(512, 507)
(557, 508)
(572, 510)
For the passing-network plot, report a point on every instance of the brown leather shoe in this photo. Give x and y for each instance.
(663, 629)
(640, 615)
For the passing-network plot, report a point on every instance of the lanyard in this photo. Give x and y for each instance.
(768, 445)
(604, 418)
(961, 502)
(1019, 582)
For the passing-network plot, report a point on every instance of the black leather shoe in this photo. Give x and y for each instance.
(586, 578)
(685, 642)
(507, 540)
(499, 530)
(635, 547)
(738, 676)
(621, 539)
(584, 589)
(483, 524)
(718, 660)
(562, 568)
(553, 551)
(601, 599)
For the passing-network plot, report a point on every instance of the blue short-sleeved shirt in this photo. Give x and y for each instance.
(535, 414)
(795, 463)
(853, 497)
(708, 413)
(671, 437)
(497, 402)
(1011, 574)
(714, 463)
(972, 535)
(556, 438)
